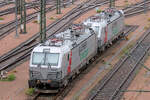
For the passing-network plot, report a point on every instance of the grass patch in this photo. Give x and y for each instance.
(10, 77)
(148, 19)
(51, 18)
(146, 27)
(35, 21)
(106, 63)
(99, 11)
(1, 18)
(30, 91)
(126, 3)
(126, 50)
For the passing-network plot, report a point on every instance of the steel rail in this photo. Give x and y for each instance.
(5, 3)
(72, 15)
(134, 67)
(64, 91)
(53, 28)
(137, 5)
(10, 26)
(129, 14)
(106, 91)
(28, 6)
(50, 27)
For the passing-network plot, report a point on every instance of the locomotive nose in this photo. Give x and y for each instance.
(44, 74)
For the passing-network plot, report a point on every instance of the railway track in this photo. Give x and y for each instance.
(64, 91)
(23, 50)
(110, 87)
(137, 9)
(18, 54)
(136, 5)
(3, 3)
(10, 26)
(30, 5)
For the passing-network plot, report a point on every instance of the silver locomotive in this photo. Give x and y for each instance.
(62, 56)
(108, 25)
(55, 61)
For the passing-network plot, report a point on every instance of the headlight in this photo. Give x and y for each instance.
(54, 68)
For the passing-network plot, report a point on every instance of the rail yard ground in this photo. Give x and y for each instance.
(140, 83)
(107, 55)
(32, 29)
(15, 90)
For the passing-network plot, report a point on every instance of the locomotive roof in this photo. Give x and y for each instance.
(107, 15)
(68, 39)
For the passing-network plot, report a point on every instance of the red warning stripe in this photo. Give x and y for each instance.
(70, 61)
(106, 32)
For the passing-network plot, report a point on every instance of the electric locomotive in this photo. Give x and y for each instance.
(108, 25)
(62, 56)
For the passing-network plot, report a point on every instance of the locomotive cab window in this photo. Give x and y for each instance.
(52, 59)
(40, 58)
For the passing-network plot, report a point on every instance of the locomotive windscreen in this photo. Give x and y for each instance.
(44, 58)
(52, 59)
